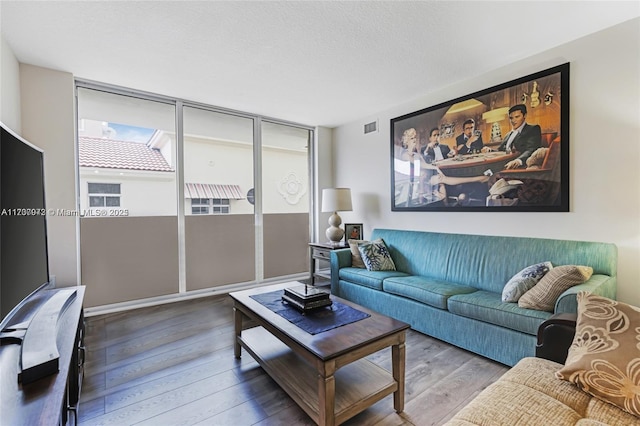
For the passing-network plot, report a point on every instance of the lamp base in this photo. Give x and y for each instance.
(334, 233)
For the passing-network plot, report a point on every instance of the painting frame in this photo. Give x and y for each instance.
(351, 229)
(496, 168)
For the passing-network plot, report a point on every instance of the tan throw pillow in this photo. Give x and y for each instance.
(356, 259)
(604, 358)
(543, 295)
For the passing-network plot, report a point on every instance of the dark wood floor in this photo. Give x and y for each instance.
(173, 364)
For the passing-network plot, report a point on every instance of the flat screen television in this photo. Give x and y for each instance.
(23, 230)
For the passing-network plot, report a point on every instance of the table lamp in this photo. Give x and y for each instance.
(335, 200)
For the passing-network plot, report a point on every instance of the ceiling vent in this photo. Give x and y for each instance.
(371, 127)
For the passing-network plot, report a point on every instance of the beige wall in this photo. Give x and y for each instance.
(219, 250)
(129, 258)
(30, 105)
(323, 178)
(48, 121)
(604, 155)
(286, 244)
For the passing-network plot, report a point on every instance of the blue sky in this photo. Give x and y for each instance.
(131, 133)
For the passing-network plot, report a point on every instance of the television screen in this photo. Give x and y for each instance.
(23, 232)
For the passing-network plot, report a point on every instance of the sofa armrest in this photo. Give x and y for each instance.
(339, 259)
(601, 285)
(555, 335)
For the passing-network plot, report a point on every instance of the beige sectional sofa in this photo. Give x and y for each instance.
(598, 383)
(530, 394)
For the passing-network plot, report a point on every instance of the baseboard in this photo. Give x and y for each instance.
(170, 298)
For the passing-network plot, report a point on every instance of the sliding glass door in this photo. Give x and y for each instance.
(177, 197)
(127, 196)
(285, 195)
(218, 208)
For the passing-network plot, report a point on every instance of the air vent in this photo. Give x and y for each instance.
(371, 127)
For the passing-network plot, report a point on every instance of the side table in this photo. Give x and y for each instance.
(321, 251)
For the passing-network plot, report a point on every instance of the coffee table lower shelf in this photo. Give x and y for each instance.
(358, 385)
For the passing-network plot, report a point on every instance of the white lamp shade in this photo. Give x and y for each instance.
(336, 200)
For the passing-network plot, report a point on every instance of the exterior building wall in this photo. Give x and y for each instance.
(149, 193)
(221, 163)
(141, 193)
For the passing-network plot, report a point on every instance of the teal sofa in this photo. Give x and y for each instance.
(449, 286)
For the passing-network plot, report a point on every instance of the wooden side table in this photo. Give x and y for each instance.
(321, 251)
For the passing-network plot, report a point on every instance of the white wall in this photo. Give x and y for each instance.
(143, 193)
(285, 181)
(604, 132)
(605, 154)
(231, 163)
(9, 88)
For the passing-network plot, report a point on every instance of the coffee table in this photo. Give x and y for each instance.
(325, 373)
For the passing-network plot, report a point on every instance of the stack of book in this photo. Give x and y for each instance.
(306, 298)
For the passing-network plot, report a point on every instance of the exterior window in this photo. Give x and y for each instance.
(104, 194)
(220, 205)
(199, 206)
(209, 206)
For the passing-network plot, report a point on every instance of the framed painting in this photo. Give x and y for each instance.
(505, 148)
(353, 231)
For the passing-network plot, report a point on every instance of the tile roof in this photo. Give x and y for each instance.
(115, 154)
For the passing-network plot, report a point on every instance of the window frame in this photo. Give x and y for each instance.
(213, 206)
(104, 195)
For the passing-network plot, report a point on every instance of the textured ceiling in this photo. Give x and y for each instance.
(312, 62)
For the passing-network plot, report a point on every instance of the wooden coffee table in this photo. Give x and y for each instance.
(326, 373)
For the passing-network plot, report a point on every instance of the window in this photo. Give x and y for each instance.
(210, 206)
(199, 206)
(104, 194)
(220, 205)
(130, 140)
(136, 157)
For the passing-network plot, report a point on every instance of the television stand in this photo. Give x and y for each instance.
(43, 399)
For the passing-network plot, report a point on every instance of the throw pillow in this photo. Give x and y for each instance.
(375, 256)
(524, 280)
(604, 358)
(543, 295)
(356, 259)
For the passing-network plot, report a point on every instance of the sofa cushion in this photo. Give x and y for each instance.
(488, 307)
(529, 394)
(604, 358)
(524, 280)
(422, 289)
(356, 259)
(375, 256)
(371, 279)
(543, 295)
(526, 392)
